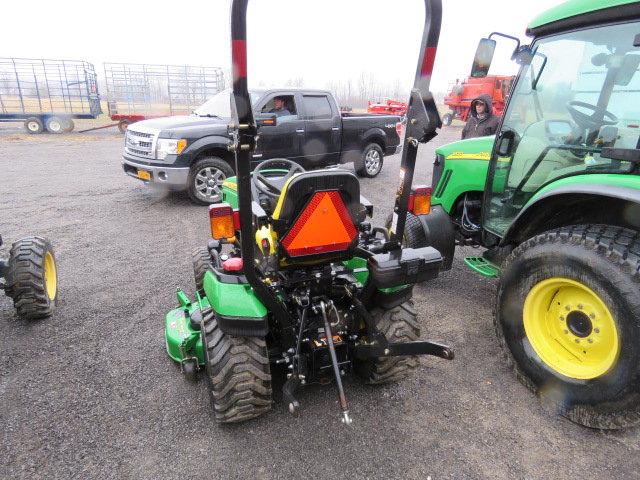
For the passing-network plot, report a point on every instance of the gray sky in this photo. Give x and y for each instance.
(320, 41)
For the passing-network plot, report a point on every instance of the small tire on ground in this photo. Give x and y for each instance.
(398, 324)
(54, 125)
(213, 163)
(606, 259)
(33, 125)
(360, 165)
(447, 119)
(123, 125)
(202, 263)
(34, 294)
(238, 373)
(414, 236)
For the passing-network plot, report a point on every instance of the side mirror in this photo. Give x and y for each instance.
(484, 56)
(266, 120)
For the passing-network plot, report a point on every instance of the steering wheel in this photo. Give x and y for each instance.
(272, 183)
(597, 119)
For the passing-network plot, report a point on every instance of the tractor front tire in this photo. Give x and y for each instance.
(568, 320)
(238, 373)
(398, 324)
(32, 278)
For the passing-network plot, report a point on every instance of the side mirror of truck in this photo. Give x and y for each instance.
(266, 120)
(483, 57)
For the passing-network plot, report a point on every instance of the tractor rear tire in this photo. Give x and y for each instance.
(238, 373)
(414, 236)
(568, 320)
(398, 324)
(32, 278)
(202, 263)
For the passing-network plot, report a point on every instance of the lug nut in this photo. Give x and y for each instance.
(597, 330)
(592, 316)
(580, 307)
(590, 340)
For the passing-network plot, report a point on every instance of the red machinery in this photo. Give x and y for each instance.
(461, 94)
(388, 107)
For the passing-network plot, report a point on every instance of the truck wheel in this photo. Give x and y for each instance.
(203, 261)
(54, 125)
(238, 373)
(123, 125)
(414, 236)
(33, 125)
(398, 324)
(205, 180)
(568, 319)
(32, 278)
(370, 163)
(447, 118)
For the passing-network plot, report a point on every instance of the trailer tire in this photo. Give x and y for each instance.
(32, 278)
(54, 125)
(69, 125)
(238, 373)
(369, 164)
(582, 359)
(33, 125)
(207, 169)
(447, 119)
(123, 125)
(398, 324)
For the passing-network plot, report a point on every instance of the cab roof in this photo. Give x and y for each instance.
(582, 13)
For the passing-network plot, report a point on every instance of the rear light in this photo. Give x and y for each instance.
(236, 219)
(420, 200)
(221, 218)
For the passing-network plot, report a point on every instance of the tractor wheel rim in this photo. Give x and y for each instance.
(571, 329)
(33, 126)
(208, 183)
(50, 276)
(372, 161)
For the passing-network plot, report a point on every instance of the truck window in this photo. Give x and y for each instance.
(288, 105)
(317, 107)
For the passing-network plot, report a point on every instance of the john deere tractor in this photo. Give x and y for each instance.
(554, 197)
(295, 276)
(30, 277)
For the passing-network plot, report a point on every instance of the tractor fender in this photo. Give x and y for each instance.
(439, 234)
(576, 204)
(237, 309)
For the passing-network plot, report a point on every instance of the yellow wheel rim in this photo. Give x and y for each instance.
(571, 328)
(50, 276)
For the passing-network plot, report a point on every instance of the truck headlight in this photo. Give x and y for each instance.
(165, 146)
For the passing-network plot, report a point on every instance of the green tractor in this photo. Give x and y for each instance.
(294, 277)
(31, 277)
(554, 197)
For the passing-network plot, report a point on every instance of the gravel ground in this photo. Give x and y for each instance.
(90, 393)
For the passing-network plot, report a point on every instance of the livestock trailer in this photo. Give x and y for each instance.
(47, 94)
(139, 91)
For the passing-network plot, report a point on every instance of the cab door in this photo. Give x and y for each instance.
(323, 125)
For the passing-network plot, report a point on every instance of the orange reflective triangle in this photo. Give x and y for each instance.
(324, 226)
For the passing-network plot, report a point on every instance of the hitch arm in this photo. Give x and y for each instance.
(375, 350)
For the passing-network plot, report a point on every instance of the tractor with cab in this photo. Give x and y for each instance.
(554, 198)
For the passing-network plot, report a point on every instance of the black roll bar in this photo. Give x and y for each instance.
(422, 121)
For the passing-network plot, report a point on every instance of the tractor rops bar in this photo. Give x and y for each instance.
(422, 121)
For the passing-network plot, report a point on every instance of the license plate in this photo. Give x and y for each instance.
(144, 175)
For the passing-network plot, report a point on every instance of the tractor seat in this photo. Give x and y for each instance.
(318, 216)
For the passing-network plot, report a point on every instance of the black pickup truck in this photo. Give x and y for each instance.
(190, 152)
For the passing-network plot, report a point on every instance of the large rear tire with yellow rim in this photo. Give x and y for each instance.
(32, 278)
(568, 319)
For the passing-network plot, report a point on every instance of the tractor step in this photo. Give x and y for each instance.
(483, 266)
